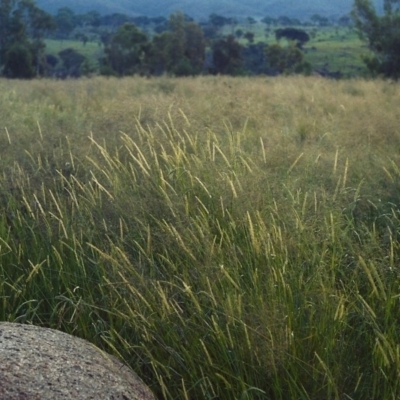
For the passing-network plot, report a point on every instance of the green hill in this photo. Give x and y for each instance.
(203, 8)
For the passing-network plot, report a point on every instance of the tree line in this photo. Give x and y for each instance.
(178, 45)
(136, 45)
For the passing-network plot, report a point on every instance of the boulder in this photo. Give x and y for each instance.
(42, 364)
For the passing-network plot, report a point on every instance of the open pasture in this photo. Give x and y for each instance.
(227, 238)
(91, 49)
(337, 49)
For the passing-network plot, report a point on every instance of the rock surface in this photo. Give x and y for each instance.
(45, 364)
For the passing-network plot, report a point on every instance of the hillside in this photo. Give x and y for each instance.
(203, 8)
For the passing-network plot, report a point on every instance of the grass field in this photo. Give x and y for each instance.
(227, 238)
(90, 49)
(337, 50)
(330, 48)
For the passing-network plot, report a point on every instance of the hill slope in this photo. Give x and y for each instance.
(202, 8)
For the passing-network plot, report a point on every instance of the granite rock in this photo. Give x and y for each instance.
(45, 364)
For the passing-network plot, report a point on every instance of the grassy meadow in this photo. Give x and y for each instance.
(330, 48)
(91, 49)
(228, 238)
(337, 49)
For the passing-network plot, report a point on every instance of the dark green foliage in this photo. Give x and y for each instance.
(18, 62)
(126, 51)
(180, 50)
(251, 21)
(382, 33)
(284, 20)
(319, 20)
(254, 60)
(92, 18)
(51, 60)
(249, 36)
(66, 21)
(161, 24)
(239, 33)
(35, 21)
(175, 46)
(227, 56)
(22, 29)
(303, 67)
(141, 21)
(298, 35)
(176, 43)
(269, 20)
(218, 20)
(283, 59)
(72, 61)
(158, 55)
(115, 19)
(195, 47)
(345, 20)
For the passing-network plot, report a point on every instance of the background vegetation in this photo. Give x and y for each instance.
(227, 238)
(203, 8)
(67, 44)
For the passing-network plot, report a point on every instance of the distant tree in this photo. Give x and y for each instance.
(18, 61)
(22, 29)
(188, 18)
(210, 31)
(319, 20)
(91, 18)
(176, 45)
(218, 20)
(254, 59)
(125, 53)
(269, 20)
(283, 59)
(227, 56)
(195, 47)
(160, 24)
(105, 37)
(345, 20)
(159, 20)
(180, 50)
(87, 67)
(239, 33)
(382, 33)
(249, 36)
(72, 61)
(160, 28)
(114, 20)
(298, 35)
(158, 54)
(284, 20)
(51, 60)
(141, 21)
(250, 22)
(38, 24)
(233, 22)
(65, 20)
(82, 37)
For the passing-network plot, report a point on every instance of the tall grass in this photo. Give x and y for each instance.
(227, 238)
